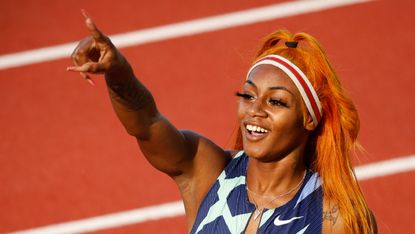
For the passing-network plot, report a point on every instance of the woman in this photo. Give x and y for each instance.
(292, 173)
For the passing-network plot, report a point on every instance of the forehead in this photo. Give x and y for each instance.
(267, 76)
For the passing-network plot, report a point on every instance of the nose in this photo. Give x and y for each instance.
(256, 109)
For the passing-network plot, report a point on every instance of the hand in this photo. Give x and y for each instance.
(95, 54)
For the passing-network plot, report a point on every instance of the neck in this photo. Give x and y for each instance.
(278, 177)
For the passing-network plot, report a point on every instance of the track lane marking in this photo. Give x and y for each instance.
(175, 30)
(385, 168)
(174, 209)
(123, 218)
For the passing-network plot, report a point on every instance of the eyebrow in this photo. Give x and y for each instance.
(281, 88)
(250, 82)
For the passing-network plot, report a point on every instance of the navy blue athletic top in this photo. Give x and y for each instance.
(226, 209)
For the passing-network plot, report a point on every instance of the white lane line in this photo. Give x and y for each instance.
(135, 216)
(173, 209)
(385, 168)
(186, 28)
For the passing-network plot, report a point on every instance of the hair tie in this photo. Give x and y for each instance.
(300, 80)
(291, 44)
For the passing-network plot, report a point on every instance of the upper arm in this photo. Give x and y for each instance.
(177, 152)
(166, 148)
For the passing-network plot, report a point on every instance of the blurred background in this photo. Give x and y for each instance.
(65, 159)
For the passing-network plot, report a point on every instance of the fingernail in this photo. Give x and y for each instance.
(90, 82)
(84, 13)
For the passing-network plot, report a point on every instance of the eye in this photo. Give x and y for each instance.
(277, 102)
(245, 96)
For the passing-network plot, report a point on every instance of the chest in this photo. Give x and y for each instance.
(226, 208)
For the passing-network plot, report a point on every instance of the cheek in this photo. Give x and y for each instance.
(241, 111)
(289, 123)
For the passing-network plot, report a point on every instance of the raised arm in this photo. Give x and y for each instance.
(166, 148)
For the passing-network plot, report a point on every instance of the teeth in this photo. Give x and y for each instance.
(256, 128)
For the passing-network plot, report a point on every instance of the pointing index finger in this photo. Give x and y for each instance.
(90, 25)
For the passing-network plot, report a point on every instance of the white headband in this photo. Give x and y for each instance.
(300, 80)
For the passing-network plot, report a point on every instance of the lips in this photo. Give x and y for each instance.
(255, 132)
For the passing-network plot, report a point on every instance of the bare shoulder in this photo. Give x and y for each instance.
(333, 222)
(332, 219)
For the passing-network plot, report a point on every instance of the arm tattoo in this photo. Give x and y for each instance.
(331, 215)
(131, 93)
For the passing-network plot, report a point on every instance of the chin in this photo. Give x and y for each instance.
(262, 154)
(254, 152)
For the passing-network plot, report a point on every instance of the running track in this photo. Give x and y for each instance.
(65, 157)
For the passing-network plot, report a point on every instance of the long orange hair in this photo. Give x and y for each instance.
(330, 145)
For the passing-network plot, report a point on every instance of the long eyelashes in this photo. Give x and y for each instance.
(271, 101)
(243, 95)
(277, 102)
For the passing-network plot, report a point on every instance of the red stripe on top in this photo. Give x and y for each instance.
(302, 82)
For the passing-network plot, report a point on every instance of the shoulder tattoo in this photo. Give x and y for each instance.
(331, 215)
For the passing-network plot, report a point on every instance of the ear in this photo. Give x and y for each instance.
(308, 123)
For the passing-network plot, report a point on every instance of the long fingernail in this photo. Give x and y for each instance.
(91, 82)
(84, 13)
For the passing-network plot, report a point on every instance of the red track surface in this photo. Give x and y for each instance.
(64, 155)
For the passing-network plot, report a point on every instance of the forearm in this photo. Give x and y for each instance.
(131, 100)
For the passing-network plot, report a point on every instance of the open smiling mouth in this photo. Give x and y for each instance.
(256, 132)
